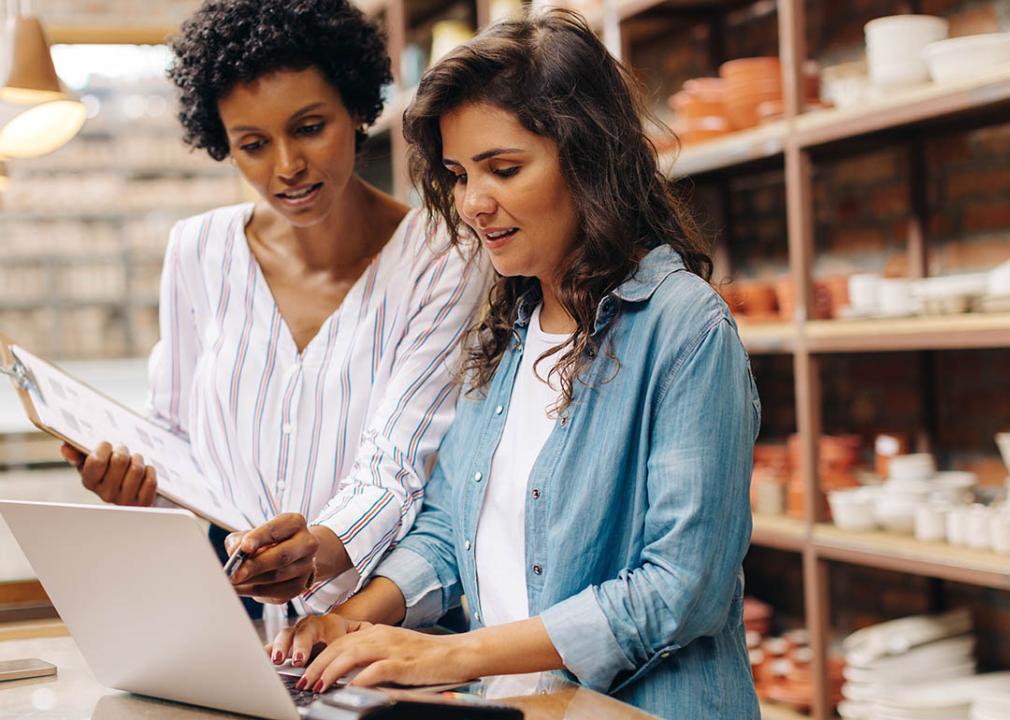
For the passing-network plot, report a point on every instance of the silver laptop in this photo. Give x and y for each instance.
(142, 592)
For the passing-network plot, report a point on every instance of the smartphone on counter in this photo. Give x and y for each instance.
(25, 668)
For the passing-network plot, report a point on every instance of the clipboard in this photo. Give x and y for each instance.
(72, 411)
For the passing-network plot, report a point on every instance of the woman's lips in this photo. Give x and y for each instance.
(302, 200)
(496, 238)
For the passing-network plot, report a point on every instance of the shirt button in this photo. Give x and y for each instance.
(478, 476)
(499, 410)
(280, 485)
(287, 428)
(537, 570)
(564, 420)
(466, 544)
(476, 616)
(665, 654)
(536, 493)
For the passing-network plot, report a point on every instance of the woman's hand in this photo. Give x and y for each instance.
(309, 636)
(116, 477)
(282, 559)
(390, 654)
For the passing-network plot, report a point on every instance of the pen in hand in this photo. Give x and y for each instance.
(234, 563)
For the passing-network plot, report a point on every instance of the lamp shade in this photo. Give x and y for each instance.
(33, 130)
(31, 77)
(37, 115)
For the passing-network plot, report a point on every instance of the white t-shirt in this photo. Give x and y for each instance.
(500, 550)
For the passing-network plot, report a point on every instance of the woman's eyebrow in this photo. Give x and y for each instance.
(482, 156)
(304, 111)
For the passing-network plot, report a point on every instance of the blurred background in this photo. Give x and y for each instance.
(850, 161)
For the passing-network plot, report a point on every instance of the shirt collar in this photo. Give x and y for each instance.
(655, 267)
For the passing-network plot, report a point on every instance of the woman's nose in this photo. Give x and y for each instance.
(290, 162)
(476, 202)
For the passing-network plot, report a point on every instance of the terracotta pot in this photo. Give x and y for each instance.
(757, 298)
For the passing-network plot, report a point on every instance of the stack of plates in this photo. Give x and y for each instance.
(979, 697)
(995, 706)
(884, 660)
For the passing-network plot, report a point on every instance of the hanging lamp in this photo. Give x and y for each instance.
(37, 114)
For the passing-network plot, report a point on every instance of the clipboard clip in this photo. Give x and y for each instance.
(22, 376)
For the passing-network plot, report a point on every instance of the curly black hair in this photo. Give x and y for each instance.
(227, 42)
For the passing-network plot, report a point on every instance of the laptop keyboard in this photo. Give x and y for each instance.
(302, 698)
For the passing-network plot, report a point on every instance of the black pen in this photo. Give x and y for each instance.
(234, 563)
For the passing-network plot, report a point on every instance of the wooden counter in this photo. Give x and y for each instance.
(74, 693)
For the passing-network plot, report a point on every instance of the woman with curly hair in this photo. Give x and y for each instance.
(591, 498)
(306, 339)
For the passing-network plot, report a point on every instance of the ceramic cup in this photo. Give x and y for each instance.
(931, 522)
(999, 531)
(957, 525)
(864, 291)
(977, 527)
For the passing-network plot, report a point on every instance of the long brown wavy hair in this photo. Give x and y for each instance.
(552, 72)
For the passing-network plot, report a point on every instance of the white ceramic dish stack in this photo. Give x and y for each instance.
(920, 668)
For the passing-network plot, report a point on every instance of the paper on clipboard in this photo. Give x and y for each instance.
(65, 407)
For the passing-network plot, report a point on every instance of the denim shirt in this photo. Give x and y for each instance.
(637, 507)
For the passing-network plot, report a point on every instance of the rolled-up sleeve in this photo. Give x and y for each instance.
(424, 565)
(697, 525)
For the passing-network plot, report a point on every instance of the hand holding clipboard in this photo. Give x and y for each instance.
(82, 417)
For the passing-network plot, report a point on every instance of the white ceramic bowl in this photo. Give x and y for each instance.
(852, 509)
(917, 466)
(953, 486)
(894, 47)
(966, 57)
(896, 515)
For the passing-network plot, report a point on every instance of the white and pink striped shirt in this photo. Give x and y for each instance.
(342, 432)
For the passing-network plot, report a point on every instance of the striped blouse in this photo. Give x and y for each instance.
(343, 432)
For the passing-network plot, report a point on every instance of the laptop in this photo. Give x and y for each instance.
(146, 601)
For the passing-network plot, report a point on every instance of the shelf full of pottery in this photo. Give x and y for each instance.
(934, 506)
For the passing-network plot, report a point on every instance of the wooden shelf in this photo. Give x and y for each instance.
(627, 9)
(902, 553)
(971, 330)
(100, 215)
(929, 102)
(110, 34)
(769, 338)
(733, 150)
(771, 711)
(779, 532)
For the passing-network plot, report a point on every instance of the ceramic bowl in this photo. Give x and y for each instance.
(966, 57)
(853, 509)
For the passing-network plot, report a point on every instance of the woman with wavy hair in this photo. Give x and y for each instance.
(591, 498)
(308, 340)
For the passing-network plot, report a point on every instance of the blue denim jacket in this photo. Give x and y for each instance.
(637, 509)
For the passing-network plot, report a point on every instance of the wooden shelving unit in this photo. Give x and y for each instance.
(779, 532)
(902, 553)
(771, 711)
(738, 149)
